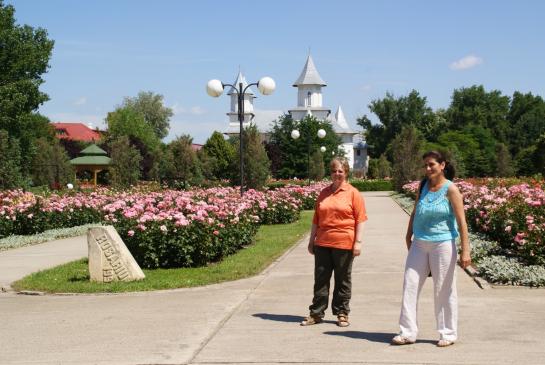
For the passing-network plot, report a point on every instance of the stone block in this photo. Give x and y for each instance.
(109, 258)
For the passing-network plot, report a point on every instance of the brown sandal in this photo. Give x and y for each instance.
(310, 320)
(342, 320)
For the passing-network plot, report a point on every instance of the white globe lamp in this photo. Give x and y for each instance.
(266, 85)
(214, 88)
(321, 133)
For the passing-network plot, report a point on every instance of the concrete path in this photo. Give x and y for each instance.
(255, 321)
(20, 262)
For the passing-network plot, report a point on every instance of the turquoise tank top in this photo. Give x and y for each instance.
(434, 218)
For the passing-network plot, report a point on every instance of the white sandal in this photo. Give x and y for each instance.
(402, 340)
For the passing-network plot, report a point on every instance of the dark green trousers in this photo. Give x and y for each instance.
(327, 261)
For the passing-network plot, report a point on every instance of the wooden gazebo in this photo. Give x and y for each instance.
(93, 159)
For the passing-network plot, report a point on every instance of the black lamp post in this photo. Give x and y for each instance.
(214, 88)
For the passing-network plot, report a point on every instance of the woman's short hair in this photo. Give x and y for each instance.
(341, 161)
(439, 157)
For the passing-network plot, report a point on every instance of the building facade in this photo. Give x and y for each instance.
(309, 86)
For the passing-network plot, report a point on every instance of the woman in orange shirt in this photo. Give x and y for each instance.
(335, 239)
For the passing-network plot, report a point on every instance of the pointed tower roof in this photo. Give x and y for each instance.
(309, 75)
(338, 121)
(241, 78)
(341, 120)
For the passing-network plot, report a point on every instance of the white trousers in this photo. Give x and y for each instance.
(440, 258)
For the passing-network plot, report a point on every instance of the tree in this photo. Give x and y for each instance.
(384, 167)
(526, 119)
(538, 157)
(290, 156)
(182, 164)
(24, 57)
(255, 159)
(394, 114)
(221, 153)
(504, 164)
(475, 106)
(51, 165)
(524, 161)
(407, 152)
(152, 109)
(10, 172)
(128, 122)
(317, 169)
(125, 170)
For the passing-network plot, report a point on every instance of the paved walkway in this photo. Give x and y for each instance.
(255, 321)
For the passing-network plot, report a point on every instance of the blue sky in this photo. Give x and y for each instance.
(106, 50)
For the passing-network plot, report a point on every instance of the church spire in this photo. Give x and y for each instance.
(309, 75)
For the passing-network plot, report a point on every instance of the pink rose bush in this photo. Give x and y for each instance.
(511, 214)
(167, 228)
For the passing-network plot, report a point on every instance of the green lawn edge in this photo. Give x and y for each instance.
(270, 243)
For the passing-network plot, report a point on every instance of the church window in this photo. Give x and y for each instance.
(309, 98)
(358, 152)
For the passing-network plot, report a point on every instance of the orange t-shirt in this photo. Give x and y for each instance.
(336, 216)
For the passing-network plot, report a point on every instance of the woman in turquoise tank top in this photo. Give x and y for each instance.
(437, 219)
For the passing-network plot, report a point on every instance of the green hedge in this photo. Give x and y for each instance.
(372, 185)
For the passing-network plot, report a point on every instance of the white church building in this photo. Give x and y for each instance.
(309, 86)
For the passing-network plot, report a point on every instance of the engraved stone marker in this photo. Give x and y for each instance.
(109, 258)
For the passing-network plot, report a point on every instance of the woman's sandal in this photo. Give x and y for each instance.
(444, 343)
(310, 320)
(342, 320)
(402, 340)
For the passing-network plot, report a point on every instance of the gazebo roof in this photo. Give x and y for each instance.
(91, 160)
(92, 155)
(93, 150)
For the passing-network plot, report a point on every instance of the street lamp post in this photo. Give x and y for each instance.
(321, 134)
(214, 88)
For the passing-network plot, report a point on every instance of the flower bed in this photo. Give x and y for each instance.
(511, 213)
(167, 228)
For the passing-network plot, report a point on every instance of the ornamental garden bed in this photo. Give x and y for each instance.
(506, 218)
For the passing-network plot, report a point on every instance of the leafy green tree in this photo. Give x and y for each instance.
(291, 157)
(51, 165)
(24, 58)
(524, 161)
(125, 168)
(407, 152)
(130, 123)
(384, 167)
(504, 163)
(255, 159)
(151, 107)
(317, 169)
(477, 107)
(394, 114)
(221, 154)
(10, 162)
(538, 157)
(527, 120)
(125, 121)
(183, 168)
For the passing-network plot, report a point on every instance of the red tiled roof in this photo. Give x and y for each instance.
(76, 132)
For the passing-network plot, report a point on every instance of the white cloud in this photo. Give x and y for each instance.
(197, 110)
(80, 101)
(366, 88)
(466, 63)
(177, 109)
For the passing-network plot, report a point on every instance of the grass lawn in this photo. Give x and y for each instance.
(271, 242)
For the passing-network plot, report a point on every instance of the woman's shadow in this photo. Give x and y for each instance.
(382, 337)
